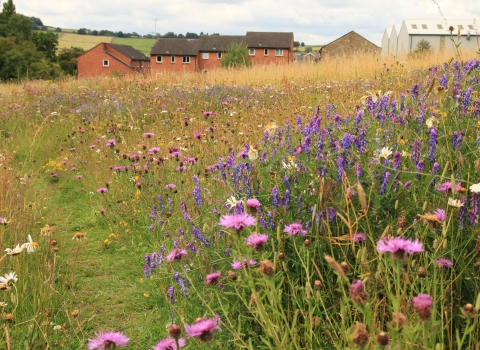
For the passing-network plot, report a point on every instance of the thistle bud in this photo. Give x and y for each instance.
(267, 268)
(382, 339)
(360, 337)
(317, 285)
(307, 243)
(422, 272)
(469, 310)
(281, 256)
(174, 331)
(231, 276)
(345, 267)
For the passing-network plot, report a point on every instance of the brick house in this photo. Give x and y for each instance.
(349, 44)
(206, 53)
(106, 59)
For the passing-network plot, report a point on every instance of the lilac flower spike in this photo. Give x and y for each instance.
(105, 341)
(399, 247)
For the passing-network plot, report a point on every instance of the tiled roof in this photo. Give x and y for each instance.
(179, 47)
(130, 52)
(276, 40)
(219, 43)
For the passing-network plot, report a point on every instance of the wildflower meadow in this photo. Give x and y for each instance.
(318, 206)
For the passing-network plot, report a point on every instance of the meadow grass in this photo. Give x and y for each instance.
(85, 42)
(110, 176)
(141, 44)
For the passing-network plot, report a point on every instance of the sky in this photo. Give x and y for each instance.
(311, 21)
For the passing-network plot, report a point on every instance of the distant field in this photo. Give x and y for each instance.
(141, 44)
(64, 30)
(315, 48)
(86, 42)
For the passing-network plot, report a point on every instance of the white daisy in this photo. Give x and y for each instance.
(232, 202)
(385, 152)
(252, 154)
(475, 188)
(454, 202)
(15, 251)
(31, 246)
(8, 279)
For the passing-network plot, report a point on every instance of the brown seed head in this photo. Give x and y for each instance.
(317, 285)
(53, 242)
(398, 319)
(55, 249)
(401, 221)
(174, 331)
(9, 317)
(360, 337)
(74, 313)
(267, 268)
(231, 276)
(307, 243)
(47, 313)
(345, 267)
(382, 339)
(281, 256)
(469, 310)
(422, 272)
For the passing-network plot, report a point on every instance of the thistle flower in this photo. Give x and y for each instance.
(237, 221)
(106, 341)
(253, 205)
(169, 344)
(295, 229)
(102, 190)
(238, 265)
(176, 254)
(444, 263)
(212, 279)
(399, 247)
(256, 240)
(359, 237)
(203, 329)
(148, 134)
(357, 292)
(423, 304)
(446, 187)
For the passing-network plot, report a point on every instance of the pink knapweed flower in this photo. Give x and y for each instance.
(111, 143)
(253, 203)
(153, 150)
(197, 136)
(238, 265)
(444, 263)
(399, 247)
(148, 134)
(169, 344)
(256, 240)
(212, 278)
(295, 229)
(203, 329)
(105, 341)
(446, 187)
(440, 215)
(170, 187)
(359, 237)
(102, 190)
(237, 221)
(423, 304)
(176, 254)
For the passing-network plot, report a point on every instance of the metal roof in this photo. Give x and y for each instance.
(438, 27)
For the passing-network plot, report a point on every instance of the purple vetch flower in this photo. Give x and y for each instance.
(397, 160)
(287, 199)
(171, 297)
(256, 240)
(106, 341)
(192, 247)
(339, 169)
(466, 100)
(414, 92)
(185, 213)
(416, 145)
(197, 196)
(432, 144)
(237, 221)
(399, 247)
(420, 166)
(444, 263)
(271, 223)
(295, 229)
(332, 214)
(358, 170)
(423, 304)
(176, 254)
(385, 183)
(203, 329)
(181, 283)
(199, 236)
(359, 237)
(444, 81)
(435, 168)
(275, 196)
(212, 278)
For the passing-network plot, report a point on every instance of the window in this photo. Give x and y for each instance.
(172, 59)
(278, 52)
(205, 55)
(251, 52)
(424, 26)
(414, 26)
(439, 26)
(159, 59)
(470, 27)
(219, 55)
(105, 63)
(460, 27)
(265, 52)
(186, 59)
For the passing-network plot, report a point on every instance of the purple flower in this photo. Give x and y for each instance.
(295, 229)
(171, 291)
(444, 263)
(176, 254)
(399, 247)
(203, 329)
(102, 190)
(238, 265)
(111, 143)
(432, 143)
(212, 279)
(275, 196)
(256, 240)
(423, 304)
(357, 292)
(253, 204)
(148, 134)
(170, 186)
(105, 341)
(359, 237)
(440, 215)
(237, 221)
(169, 344)
(446, 187)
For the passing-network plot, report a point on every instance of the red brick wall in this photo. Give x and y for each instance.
(90, 64)
(211, 63)
(260, 59)
(177, 67)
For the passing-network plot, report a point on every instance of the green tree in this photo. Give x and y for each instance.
(423, 46)
(94, 32)
(170, 35)
(237, 56)
(82, 31)
(296, 43)
(58, 30)
(308, 49)
(192, 36)
(20, 27)
(8, 9)
(14, 65)
(67, 59)
(302, 44)
(46, 43)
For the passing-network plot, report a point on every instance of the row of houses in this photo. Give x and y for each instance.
(402, 39)
(207, 52)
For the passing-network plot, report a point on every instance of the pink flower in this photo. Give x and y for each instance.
(176, 254)
(446, 187)
(238, 265)
(256, 240)
(111, 143)
(153, 150)
(148, 134)
(169, 344)
(102, 190)
(212, 278)
(253, 203)
(423, 304)
(197, 136)
(203, 329)
(399, 247)
(444, 263)
(169, 187)
(237, 221)
(359, 237)
(104, 341)
(440, 215)
(295, 229)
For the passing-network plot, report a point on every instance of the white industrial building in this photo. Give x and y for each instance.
(404, 39)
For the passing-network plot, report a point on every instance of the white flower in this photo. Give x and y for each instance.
(271, 128)
(454, 202)
(232, 202)
(252, 154)
(15, 251)
(3, 221)
(31, 246)
(57, 327)
(430, 122)
(2, 304)
(8, 279)
(475, 188)
(385, 152)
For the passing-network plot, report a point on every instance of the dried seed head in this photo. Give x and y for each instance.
(307, 243)
(382, 339)
(174, 331)
(422, 272)
(267, 268)
(47, 313)
(231, 276)
(345, 267)
(317, 285)
(469, 310)
(360, 337)
(281, 256)
(55, 249)
(398, 320)
(253, 299)
(401, 221)
(53, 242)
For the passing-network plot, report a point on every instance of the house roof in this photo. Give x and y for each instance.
(219, 43)
(176, 47)
(129, 52)
(438, 27)
(280, 40)
(346, 35)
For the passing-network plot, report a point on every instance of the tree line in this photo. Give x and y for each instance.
(120, 34)
(25, 53)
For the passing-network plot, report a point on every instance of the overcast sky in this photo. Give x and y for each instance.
(311, 21)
